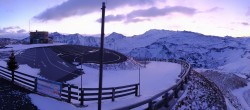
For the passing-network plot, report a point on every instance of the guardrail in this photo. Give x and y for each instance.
(215, 88)
(66, 92)
(167, 94)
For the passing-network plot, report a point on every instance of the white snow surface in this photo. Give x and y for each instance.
(24, 69)
(27, 46)
(239, 66)
(156, 77)
(243, 95)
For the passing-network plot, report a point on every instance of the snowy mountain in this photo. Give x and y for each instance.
(203, 51)
(76, 39)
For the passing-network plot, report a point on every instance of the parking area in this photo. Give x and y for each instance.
(58, 63)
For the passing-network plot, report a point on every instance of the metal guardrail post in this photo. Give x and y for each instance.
(113, 94)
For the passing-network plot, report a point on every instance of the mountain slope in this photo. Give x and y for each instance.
(203, 51)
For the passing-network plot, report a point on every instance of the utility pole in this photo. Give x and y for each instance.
(101, 58)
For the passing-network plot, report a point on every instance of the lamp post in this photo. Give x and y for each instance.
(101, 58)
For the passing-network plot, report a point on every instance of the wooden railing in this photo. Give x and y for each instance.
(74, 94)
(167, 94)
(22, 79)
(69, 93)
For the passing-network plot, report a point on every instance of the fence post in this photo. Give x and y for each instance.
(12, 77)
(182, 86)
(176, 93)
(35, 88)
(82, 93)
(166, 100)
(136, 90)
(186, 79)
(150, 105)
(113, 94)
(69, 93)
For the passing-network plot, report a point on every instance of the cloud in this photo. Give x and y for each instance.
(135, 20)
(245, 23)
(2, 31)
(154, 12)
(214, 9)
(11, 29)
(83, 7)
(248, 12)
(21, 31)
(146, 14)
(110, 18)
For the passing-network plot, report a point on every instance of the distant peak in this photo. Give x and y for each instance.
(55, 34)
(115, 35)
(153, 31)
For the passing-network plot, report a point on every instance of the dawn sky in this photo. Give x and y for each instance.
(128, 17)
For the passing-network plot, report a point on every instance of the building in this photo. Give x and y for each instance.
(39, 37)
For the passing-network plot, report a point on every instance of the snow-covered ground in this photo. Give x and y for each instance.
(27, 46)
(243, 96)
(156, 77)
(24, 69)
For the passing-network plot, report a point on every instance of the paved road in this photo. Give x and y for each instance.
(51, 66)
(56, 62)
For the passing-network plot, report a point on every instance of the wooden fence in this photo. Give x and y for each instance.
(166, 95)
(74, 94)
(68, 92)
(71, 93)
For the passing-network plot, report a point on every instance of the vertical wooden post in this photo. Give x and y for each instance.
(186, 79)
(176, 93)
(12, 77)
(82, 93)
(136, 90)
(166, 100)
(113, 94)
(150, 105)
(69, 93)
(182, 85)
(35, 88)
